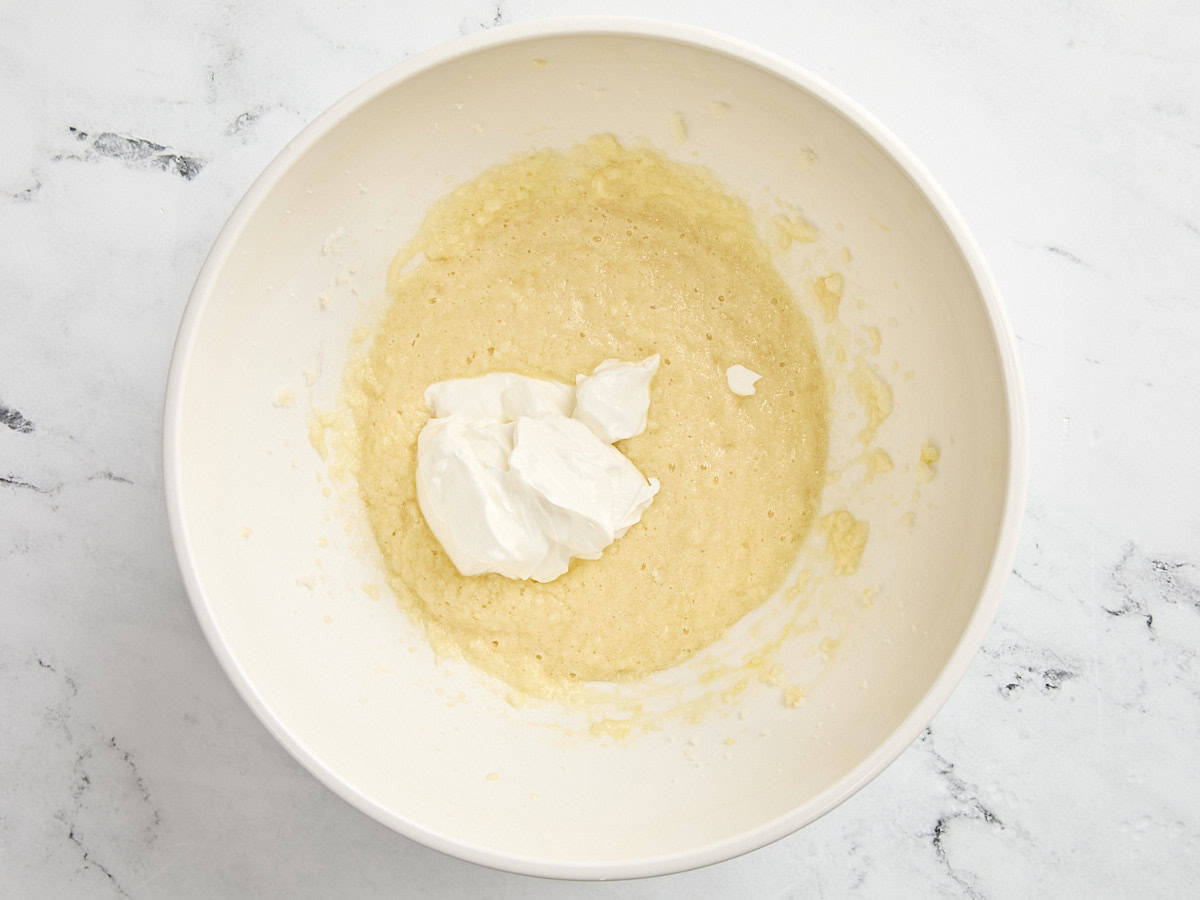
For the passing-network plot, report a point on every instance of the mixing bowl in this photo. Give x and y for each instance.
(279, 565)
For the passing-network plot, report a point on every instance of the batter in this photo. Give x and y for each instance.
(546, 265)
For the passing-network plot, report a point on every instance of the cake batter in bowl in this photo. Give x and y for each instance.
(598, 252)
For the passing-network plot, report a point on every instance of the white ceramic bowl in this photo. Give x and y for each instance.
(347, 683)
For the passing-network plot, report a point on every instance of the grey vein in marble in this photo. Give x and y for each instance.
(1141, 578)
(967, 805)
(134, 152)
(11, 418)
(99, 765)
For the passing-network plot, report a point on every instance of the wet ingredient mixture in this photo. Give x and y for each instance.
(546, 265)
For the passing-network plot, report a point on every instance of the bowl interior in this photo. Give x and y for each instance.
(276, 561)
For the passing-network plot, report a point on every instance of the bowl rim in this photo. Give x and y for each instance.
(1002, 556)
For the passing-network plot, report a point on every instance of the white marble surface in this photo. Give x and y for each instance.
(1066, 763)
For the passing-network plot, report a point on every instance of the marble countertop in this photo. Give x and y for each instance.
(1064, 765)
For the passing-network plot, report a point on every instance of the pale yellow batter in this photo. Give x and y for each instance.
(547, 265)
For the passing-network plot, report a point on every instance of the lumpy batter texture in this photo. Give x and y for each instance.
(547, 265)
